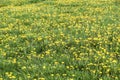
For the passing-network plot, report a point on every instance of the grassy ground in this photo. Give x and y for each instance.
(59, 40)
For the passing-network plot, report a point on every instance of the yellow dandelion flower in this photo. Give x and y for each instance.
(62, 62)
(1, 78)
(64, 74)
(41, 78)
(52, 75)
(24, 67)
(12, 77)
(114, 61)
(56, 63)
(100, 79)
(14, 60)
(44, 67)
(39, 38)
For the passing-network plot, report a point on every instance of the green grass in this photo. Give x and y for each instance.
(59, 40)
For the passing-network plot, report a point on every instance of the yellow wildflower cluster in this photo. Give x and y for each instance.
(59, 40)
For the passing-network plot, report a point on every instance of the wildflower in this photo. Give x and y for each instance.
(71, 79)
(12, 77)
(56, 63)
(67, 67)
(28, 76)
(93, 71)
(77, 41)
(62, 62)
(1, 78)
(39, 38)
(100, 79)
(104, 66)
(100, 72)
(24, 67)
(44, 67)
(4, 54)
(64, 74)
(47, 52)
(73, 75)
(52, 74)
(116, 77)
(14, 60)
(114, 61)
(41, 78)
(119, 40)
(108, 70)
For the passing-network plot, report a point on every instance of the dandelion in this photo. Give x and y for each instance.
(73, 75)
(100, 72)
(44, 67)
(4, 54)
(114, 61)
(100, 79)
(28, 76)
(48, 52)
(93, 71)
(56, 63)
(41, 78)
(1, 78)
(39, 38)
(64, 74)
(62, 62)
(52, 75)
(12, 77)
(116, 77)
(67, 67)
(24, 67)
(14, 60)
(71, 79)
(108, 70)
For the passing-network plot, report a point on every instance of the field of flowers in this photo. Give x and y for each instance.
(59, 40)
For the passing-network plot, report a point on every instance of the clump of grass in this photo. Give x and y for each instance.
(4, 3)
(35, 1)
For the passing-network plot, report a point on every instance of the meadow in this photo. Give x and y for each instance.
(59, 40)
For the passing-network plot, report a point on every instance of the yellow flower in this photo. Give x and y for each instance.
(62, 62)
(52, 74)
(24, 67)
(100, 72)
(4, 54)
(39, 38)
(116, 78)
(114, 61)
(100, 79)
(108, 70)
(73, 75)
(64, 74)
(28, 76)
(71, 79)
(14, 60)
(93, 71)
(12, 77)
(41, 79)
(67, 67)
(44, 67)
(56, 62)
(47, 52)
(119, 40)
(1, 78)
